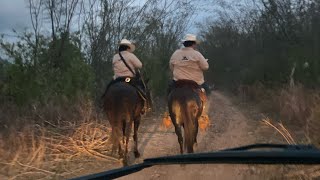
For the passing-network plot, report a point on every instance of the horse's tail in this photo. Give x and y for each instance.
(189, 112)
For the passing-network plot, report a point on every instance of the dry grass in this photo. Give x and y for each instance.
(264, 98)
(293, 171)
(281, 130)
(296, 111)
(296, 107)
(300, 112)
(313, 126)
(50, 153)
(47, 149)
(295, 104)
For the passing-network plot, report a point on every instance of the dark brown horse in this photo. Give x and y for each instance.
(123, 106)
(185, 108)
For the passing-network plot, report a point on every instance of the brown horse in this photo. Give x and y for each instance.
(123, 106)
(185, 108)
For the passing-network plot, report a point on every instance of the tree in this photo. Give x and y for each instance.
(264, 43)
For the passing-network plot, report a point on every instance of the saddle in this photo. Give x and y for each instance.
(194, 86)
(133, 82)
(140, 87)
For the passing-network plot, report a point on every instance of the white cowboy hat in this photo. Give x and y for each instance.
(191, 37)
(128, 43)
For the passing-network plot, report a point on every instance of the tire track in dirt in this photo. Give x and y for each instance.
(228, 128)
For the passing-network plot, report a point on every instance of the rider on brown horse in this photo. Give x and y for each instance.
(186, 93)
(189, 64)
(125, 64)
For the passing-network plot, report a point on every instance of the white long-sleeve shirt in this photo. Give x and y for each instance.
(120, 69)
(189, 64)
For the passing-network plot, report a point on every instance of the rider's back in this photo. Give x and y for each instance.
(120, 69)
(188, 64)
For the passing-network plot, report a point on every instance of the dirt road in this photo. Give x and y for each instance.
(228, 128)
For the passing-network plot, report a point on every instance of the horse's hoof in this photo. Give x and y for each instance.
(136, 154)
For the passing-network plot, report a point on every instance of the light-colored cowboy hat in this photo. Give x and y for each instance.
(128, 43)
(191, 37)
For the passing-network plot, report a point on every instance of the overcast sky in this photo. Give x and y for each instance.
(13, 14)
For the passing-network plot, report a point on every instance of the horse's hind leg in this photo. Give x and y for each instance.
(116, 133)
(135, 137)
(120, 150)
(196, 130)
(127, 136)
(123, 131)
(128, 132)
(180, 138)
(196, 122)
(177, 129)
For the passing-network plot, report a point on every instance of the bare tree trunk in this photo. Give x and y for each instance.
(51, 10)
(35, 8)
(69, 16)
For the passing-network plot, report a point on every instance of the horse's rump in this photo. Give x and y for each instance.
(122, 97)
(183, 100)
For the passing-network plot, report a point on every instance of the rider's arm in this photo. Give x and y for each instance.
(171, 66)
(203, 63)
(173, 57)
(135, 62)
